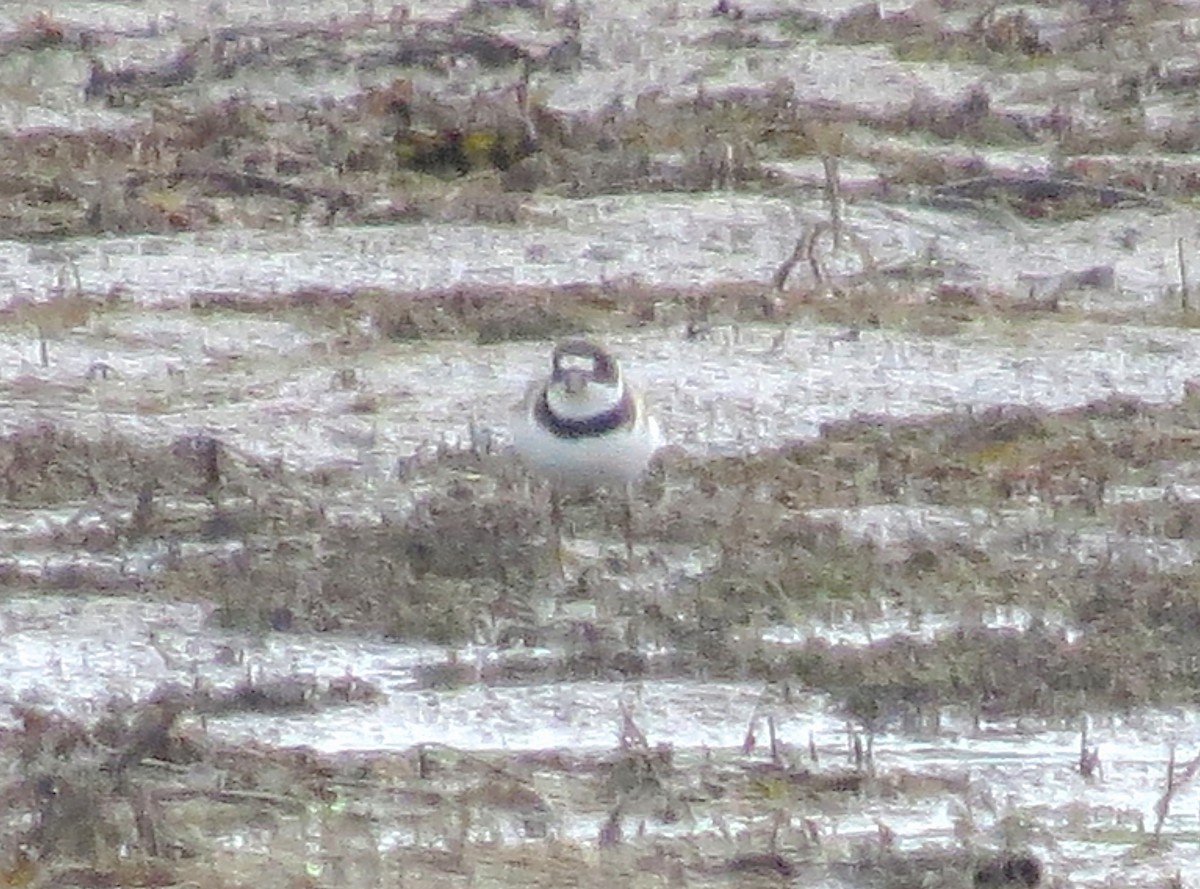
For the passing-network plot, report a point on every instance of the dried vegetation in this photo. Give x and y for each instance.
(209, 153)
(143, 796)
(473, 562)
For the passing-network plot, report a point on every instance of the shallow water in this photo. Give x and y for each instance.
(255, 384)
(76, 653)
(269, 388)
(657, 239)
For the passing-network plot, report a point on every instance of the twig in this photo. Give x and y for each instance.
(833, 196)
(1184, 296)
(1176, 780)
(228, 796)
(751, 738)
(806, 249)
(632, 737)
(856, 749)
(1089, 760)
(802, 250)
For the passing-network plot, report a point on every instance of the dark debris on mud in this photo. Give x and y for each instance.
(474, 559)
(144, 796)
(398, 150)
(490, 314)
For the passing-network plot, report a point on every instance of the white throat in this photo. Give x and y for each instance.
(595, 399)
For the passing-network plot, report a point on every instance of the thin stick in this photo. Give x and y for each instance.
(1176, 780)
(833, 196)
(1184, 296)
(802, 249)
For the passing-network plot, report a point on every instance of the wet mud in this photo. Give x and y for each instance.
(911, 599)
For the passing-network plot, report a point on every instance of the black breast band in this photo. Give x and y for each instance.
(623, 413)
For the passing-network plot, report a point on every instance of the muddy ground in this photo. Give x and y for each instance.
(1043, 119)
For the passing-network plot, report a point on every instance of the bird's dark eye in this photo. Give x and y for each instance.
(603, 370)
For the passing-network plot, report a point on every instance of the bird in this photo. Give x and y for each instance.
(584, 426)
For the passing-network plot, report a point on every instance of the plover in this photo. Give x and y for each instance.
(585, 426)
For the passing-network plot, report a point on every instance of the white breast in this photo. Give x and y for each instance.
(615, 458)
